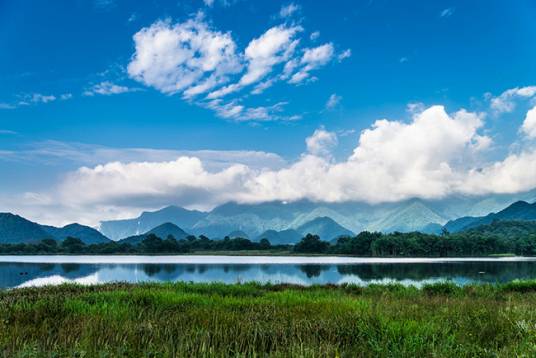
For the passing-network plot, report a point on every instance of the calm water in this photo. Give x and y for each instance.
(20, 271)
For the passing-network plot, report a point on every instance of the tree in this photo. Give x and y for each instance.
(73, 245)
(311, 244)
(264, 244)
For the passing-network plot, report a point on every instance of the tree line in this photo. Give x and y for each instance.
(503, 237)
(151, 244)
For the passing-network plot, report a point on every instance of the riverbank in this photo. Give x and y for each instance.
(185, 319)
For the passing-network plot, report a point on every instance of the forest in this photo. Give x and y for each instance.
(499, 237)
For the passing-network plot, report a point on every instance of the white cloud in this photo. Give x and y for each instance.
(529, 124)
(447, 12)
(430, 157)
(56, 152)
(172, 58)
(321, 143)
(34, 99)
(108, 88)
(288, 10)
(333, 101)
(415, 108)
(40, 98)
(345, 54)
(209, 3)
(434, 155)
(192, 58)
(505, 102)
(312, 59)
(273, 47)
(314, 35)
(516, 173)
(261, 87)
(238, 112)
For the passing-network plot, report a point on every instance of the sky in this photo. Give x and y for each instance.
(111, 107)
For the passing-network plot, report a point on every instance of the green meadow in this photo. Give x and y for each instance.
(253, 320)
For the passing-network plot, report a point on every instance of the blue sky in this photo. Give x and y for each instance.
(88, 83)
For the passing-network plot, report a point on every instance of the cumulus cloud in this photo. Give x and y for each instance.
(173, 57)
(333, 101)
(529, 124)
(517, 172)
(428, 157)
(433, 155)
(506, 101)
(194, 59)
(321, 143)
(108, 88)
(273, 47)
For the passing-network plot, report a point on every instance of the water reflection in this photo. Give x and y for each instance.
(14, 274)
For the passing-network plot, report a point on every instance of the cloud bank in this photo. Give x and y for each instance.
(434, 155)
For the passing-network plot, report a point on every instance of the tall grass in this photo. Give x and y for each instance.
(186, 319)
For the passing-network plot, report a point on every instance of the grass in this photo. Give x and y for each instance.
(187, 319)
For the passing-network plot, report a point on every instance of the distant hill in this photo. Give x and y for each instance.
(15, 229)
(520, 211)
(324, 227)
(283, 237)
(119, 229)
(162, 231)
(85, 233)
(506, 229)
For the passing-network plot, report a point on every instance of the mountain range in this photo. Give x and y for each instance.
(15, 229)
(286, 223)
(255, 220)
(520, 211)
(119, 229)
(162, 231)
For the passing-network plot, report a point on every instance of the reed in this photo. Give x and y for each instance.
(191, 319)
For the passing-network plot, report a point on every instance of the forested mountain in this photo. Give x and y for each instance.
(519, 211)
(324, 227)
(283, 237)
(16, 229)
(161, 231)
(85, 233)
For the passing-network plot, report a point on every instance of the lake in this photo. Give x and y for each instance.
(22, 271)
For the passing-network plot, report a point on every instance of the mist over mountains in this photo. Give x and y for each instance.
(286, 223)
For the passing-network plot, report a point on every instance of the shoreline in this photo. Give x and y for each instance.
(247, 259)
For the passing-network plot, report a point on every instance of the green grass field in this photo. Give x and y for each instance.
(184, 319)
